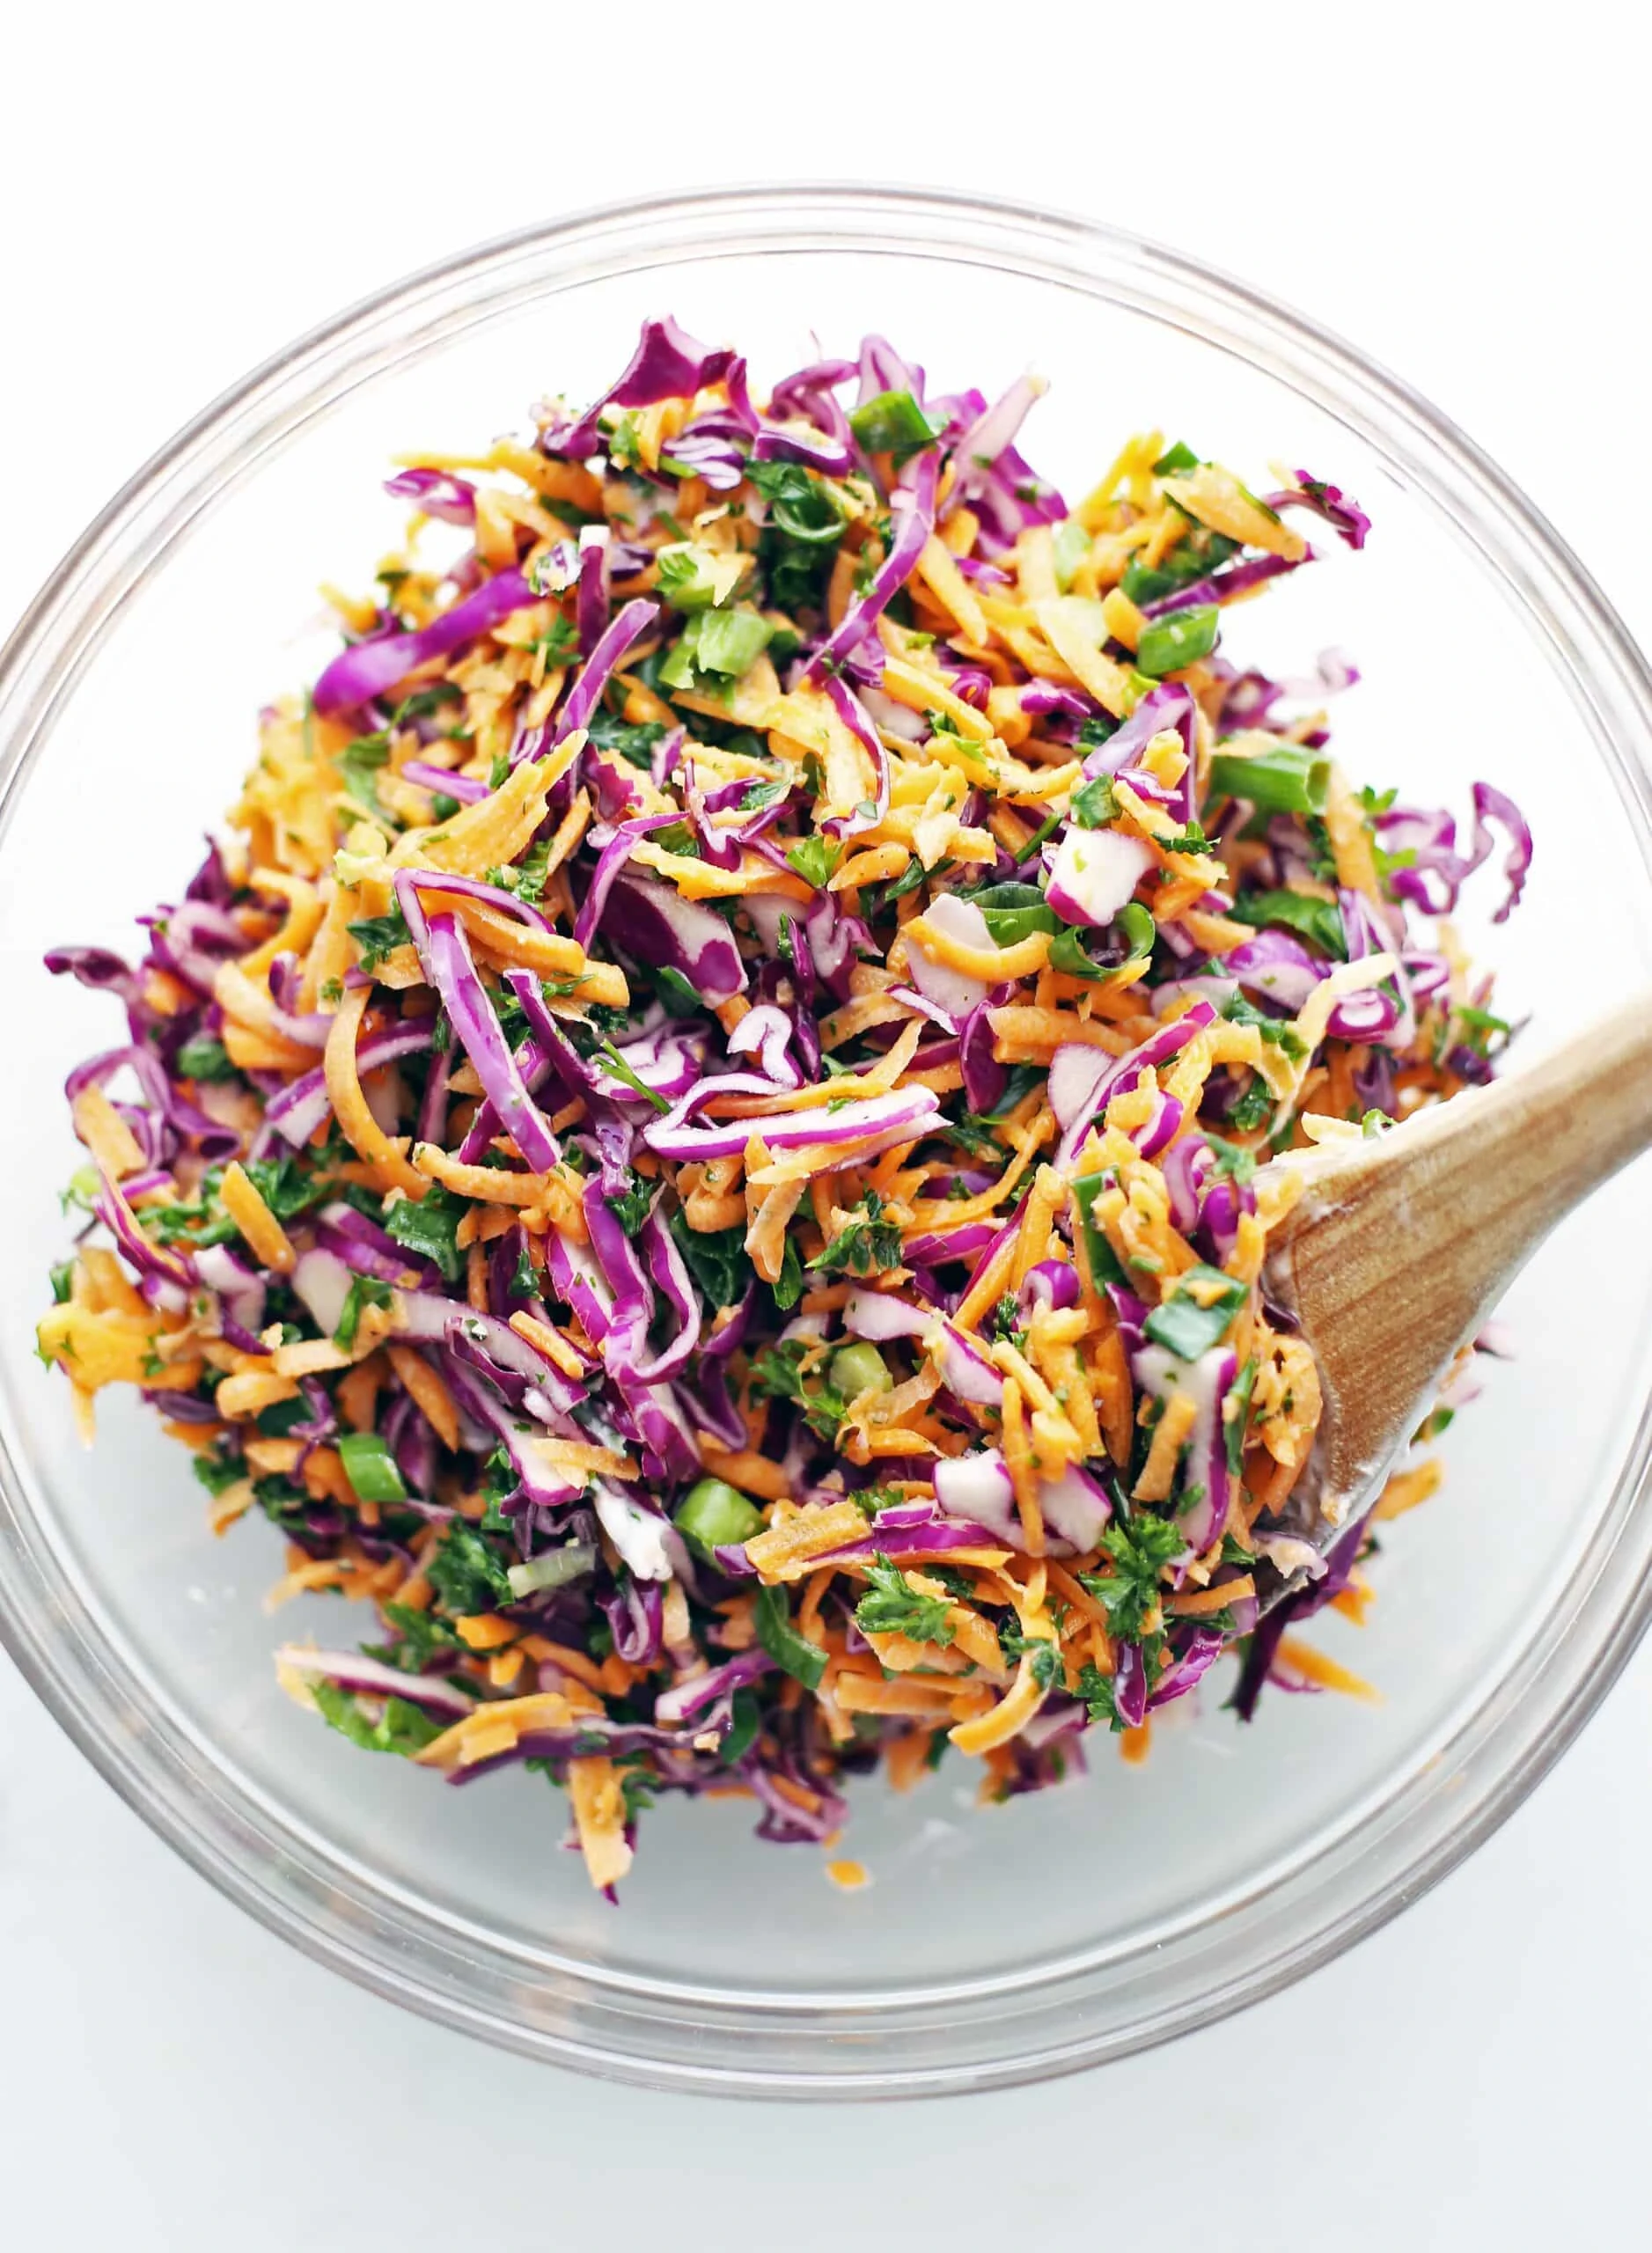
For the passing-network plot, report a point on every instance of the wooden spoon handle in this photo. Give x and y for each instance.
(1400, 1246)
(1573, 1120)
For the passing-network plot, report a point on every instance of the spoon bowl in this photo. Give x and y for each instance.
(1401, 1243)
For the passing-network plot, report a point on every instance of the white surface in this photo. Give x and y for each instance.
(182, 193)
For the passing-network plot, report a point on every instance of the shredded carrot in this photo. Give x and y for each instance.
(1315, 1667)
(106, 1134)
(429, 1392)
(361, 1129)
(258, 1224)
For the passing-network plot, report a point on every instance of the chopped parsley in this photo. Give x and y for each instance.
(776, 1376)
(771, 1615)
(402, 1727)
(430, 1228)
(379, 935)
(205, 1059)
(364, 1291)
(892, 1606)
(867, 1243)
(815, 859)
(467, 1575)
(1140, 1551)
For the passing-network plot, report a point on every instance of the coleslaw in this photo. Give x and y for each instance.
(705, 1142)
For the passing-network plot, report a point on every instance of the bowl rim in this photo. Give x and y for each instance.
(1050, 2018)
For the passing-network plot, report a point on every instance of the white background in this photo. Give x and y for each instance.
(1462, 192)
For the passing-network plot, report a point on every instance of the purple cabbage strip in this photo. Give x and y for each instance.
(370, 669)
(435, 493)
(914, 504)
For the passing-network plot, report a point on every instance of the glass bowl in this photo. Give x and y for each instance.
(993, 1944)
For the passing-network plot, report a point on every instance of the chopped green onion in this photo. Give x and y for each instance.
(1104, 1263)
(893, 423)
(364, 1291)
(1176, 462)
(859, 1368)
(554, 1569)
(730, 642)
(1287, 778)
(713, 1515)
(691, 577)
(1180, 639)
(746, 1721)
(370, 1468)
(1072, 545)
(1239, 1400)
(1140, 930)
(1006, 927)
(1068, 955)
(1093, 804)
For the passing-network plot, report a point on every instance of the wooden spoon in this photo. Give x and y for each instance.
(1400, 1246)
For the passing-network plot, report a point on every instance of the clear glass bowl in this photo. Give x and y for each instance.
(993, 1944)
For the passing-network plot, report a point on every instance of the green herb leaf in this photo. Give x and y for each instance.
(892, 1606)
(1279, 1033)
(716, 1258)
(402, 1727)
(205, 1059)
(867, 1244)
(364, 1291)
(217, 1472)
(815, 859)
(284, 1186)
(630, 1208)
(1238, 1165)
(787, 1285)
(621, 1070)
(1095, 1688)
(467, 1575)
(1139, 1551)
(379, 935)
(420, 1636)
(1185, 1327)
(633, 741)
(771, 1615)
(358, 763)
(1319, 922)
(1254, 1108)
(431, 1228)
(776, 1376)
